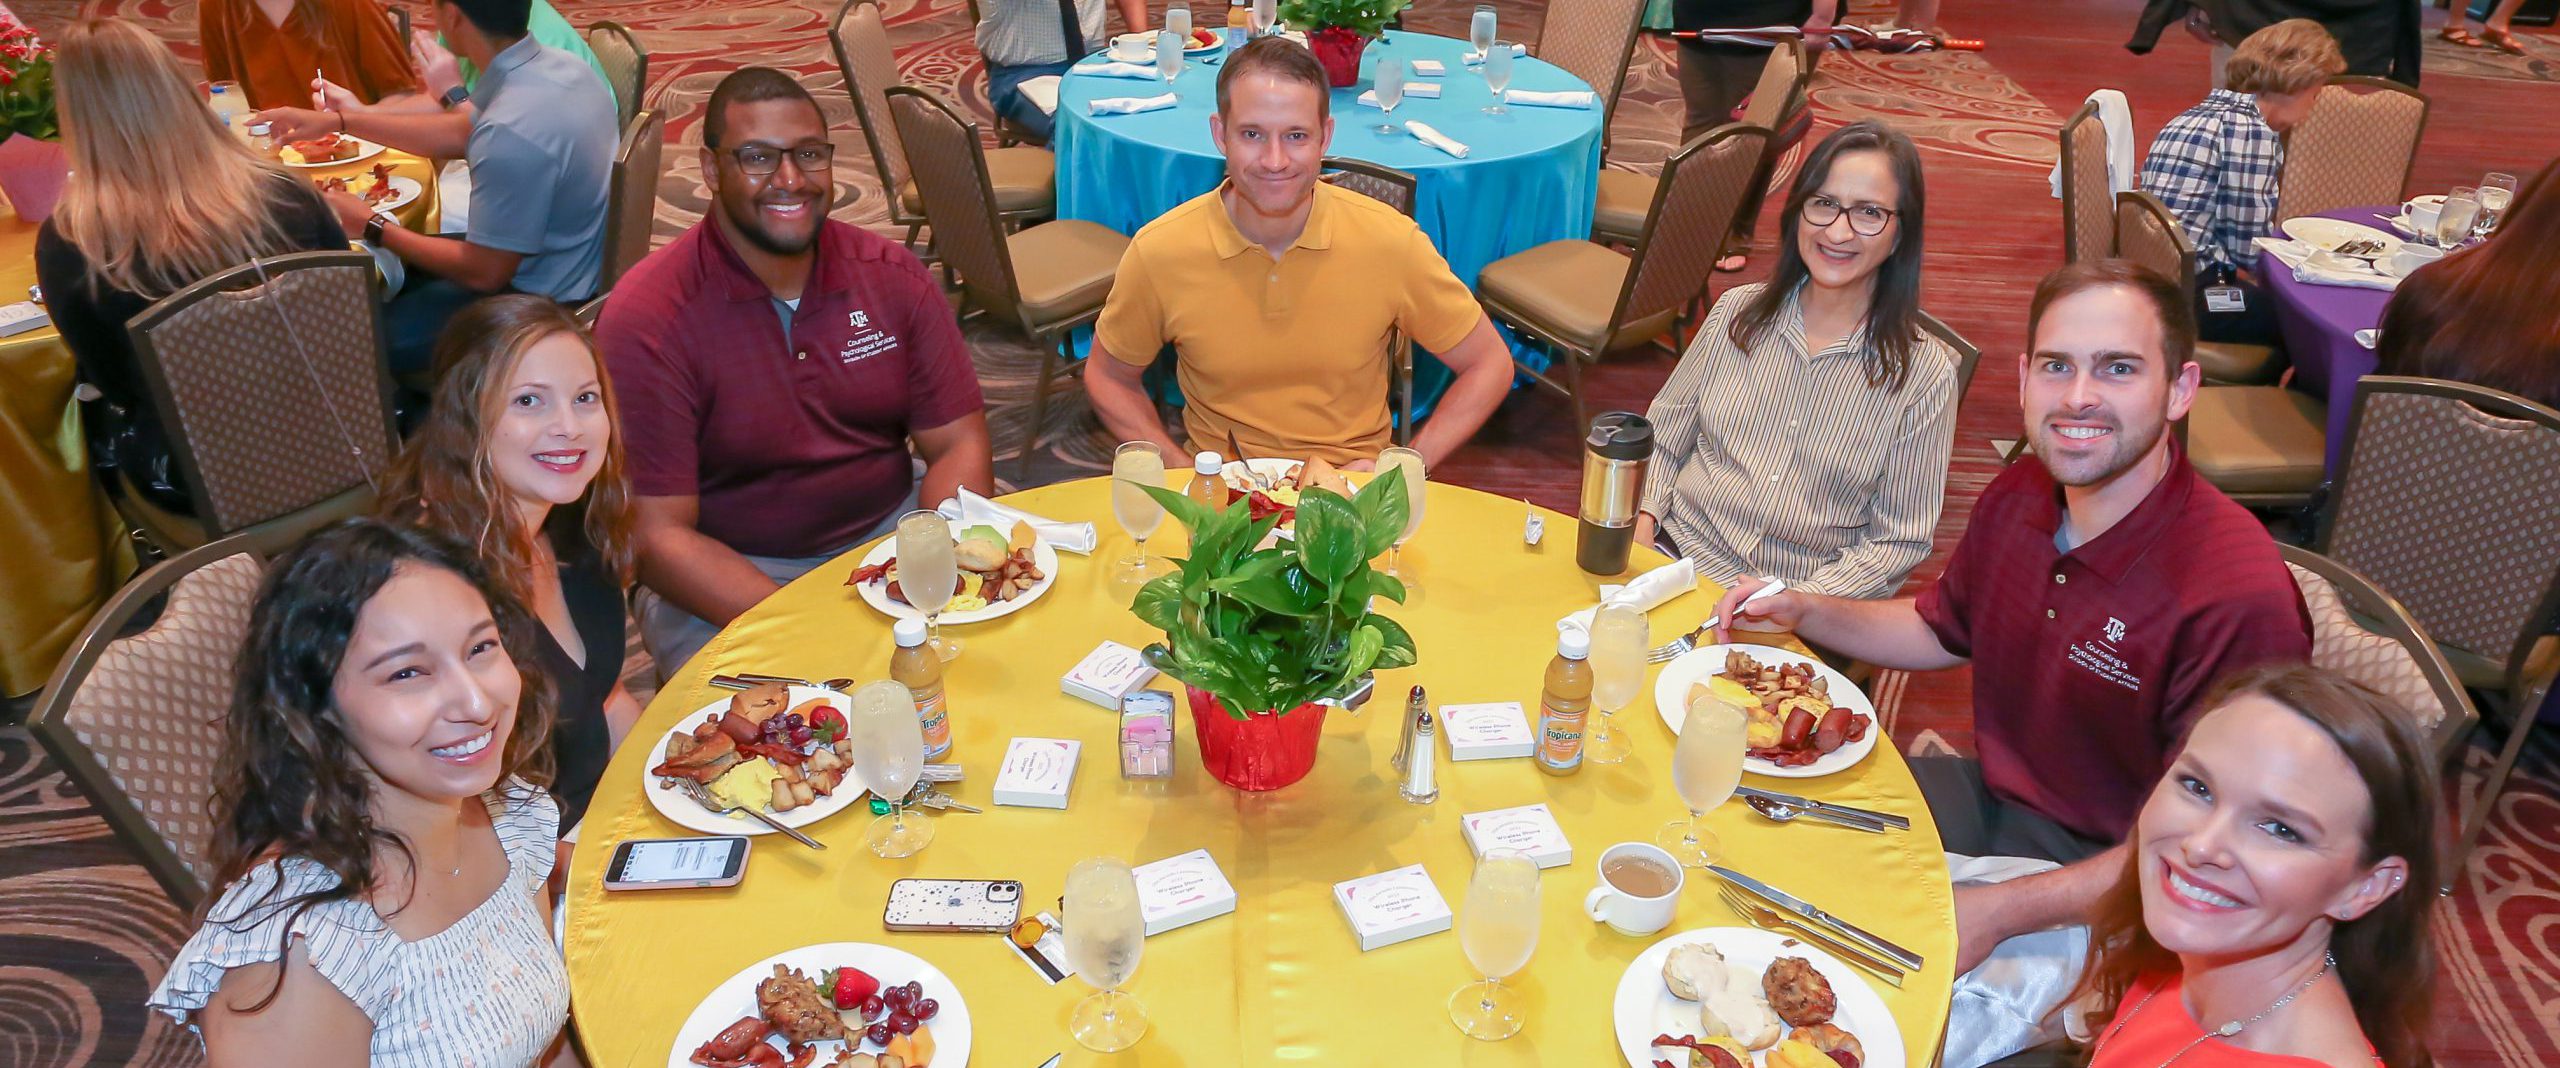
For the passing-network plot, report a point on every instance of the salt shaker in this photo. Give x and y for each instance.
(1419, 787)
(1413, 708)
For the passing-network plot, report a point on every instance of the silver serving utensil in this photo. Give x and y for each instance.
(1800, 910)
(748, 680)
(1763, 916)
(703, 795)
(1688, 643)
(1886, 818)
(1783, 812)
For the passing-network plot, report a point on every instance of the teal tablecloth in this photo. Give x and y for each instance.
(1529, 176)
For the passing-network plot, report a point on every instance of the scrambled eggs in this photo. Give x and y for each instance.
(747, 784)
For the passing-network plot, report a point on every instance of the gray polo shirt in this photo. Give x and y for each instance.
(541, 158)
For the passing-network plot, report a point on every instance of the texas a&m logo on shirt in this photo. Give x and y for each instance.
(2102, 657)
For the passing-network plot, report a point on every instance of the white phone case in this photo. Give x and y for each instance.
(953, 905)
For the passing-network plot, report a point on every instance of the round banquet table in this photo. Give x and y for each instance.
(1280, 979)
(1530, 175)
(2319, 324)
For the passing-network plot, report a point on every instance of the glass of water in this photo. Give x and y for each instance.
(1177, 20)
(1105, 935)
(1497, 76)
(1390, 90)
(1169, 56)
(2453, 223)
(1480, 30)
(2496, 192)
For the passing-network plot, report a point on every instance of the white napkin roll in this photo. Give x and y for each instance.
(1649, 591)
(2297, 256)
(1429, 68)
(1130, 105)
(970, 508)
(1117, 70)
(1474, 57)
(1436, 139)
(1411, 92)
(1576, 98)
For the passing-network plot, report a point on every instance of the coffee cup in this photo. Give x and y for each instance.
(2422, 215)
(2410, 258)
(1133, 47)
(1639, 889)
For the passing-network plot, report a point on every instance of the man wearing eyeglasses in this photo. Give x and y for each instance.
(775, 368)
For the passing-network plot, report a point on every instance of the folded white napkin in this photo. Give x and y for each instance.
(1473, 57)
(1576, 98)
(2297, 255)
(1130, 105)
(1117, 70)
(1436, 139)
(1042, 92)
(1429, 68)
(1411, 92)
(969, 508)
(1649, 591)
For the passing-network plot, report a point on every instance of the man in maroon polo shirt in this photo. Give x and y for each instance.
(2098, 593)
(774, 368)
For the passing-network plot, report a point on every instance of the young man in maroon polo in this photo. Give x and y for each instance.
(2098, 593)
(775, 368)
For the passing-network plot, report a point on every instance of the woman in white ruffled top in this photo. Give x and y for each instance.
(382, 837)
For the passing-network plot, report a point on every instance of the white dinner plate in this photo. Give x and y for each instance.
(1671, 693)
(877, 593)
(365, 150)
(736, 998)
(1645, 1007)
(404, 190)
(675, 804)
(1202, 50)
(2328, 234)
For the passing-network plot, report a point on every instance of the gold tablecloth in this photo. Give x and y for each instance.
(1281, 979)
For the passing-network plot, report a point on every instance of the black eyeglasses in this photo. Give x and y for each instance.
(1865, 220)
(761, 160)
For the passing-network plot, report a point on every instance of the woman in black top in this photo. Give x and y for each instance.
(160, 196)
(520, 459)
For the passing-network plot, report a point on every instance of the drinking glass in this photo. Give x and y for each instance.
(1705, 768)
(1262, 16)
(1416, 480)
(1169, 56)
(1618, 635)
(927, 573)
(1390, 93)
(1177, 21)
(1105, 935)
(2453, 223)
(2496, 192)
(1498, 930)
(1497, 76)
(888, 752)
(1480, 29)
(1135, 464)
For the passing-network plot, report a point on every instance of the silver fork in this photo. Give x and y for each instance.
(1767, 918)
(1688, 643)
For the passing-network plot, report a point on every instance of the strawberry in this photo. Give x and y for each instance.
(827, 724)
(851, 985)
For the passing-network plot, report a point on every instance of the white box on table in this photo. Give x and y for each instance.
(1530, 829)
(1487, 731)
(1392, 906)
(1182, 889)
(1037, 772)
(1109, 673)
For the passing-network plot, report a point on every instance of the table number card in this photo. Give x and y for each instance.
(1037, 772)
(1392, 906)
(1530, 829)
(1182, 889)
(1488, 731)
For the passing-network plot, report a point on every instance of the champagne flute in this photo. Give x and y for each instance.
(2453, 222)
(1262, 16)
(2496, 192)
(1618, 634)
(888, 751)
(1135, 464)
(1705, 768)
(1416, 480)
(1105, 934)
(1480, 29)
(927, 573)
(1169, 56)
(1497, 76)
(1498, 930)
(1177, 21)
(1390, 93)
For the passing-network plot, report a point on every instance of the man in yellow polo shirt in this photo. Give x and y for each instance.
(1278, 293)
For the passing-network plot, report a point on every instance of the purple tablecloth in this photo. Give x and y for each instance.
(2319, 325)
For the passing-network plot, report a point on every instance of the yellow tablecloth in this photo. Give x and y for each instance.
(1281, 979)
(419, 214)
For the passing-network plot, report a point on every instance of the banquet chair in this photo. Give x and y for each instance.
(2088, 213)
(1024, 178)
(626, 64)
(287, 341)
(1625, 198)
(1582, 300)
(1395, 189)
(2263, 446)
(2354, 149)
(2444, 499)
(2365, 634)
(1045, 280)
(631, 206)
(1008, 134)
(1593, 40)
(2146, 233)
(1968, 356)
(135, 720)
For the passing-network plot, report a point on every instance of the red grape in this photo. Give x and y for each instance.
(895, 997)
(878, 1034)
(926, 1009)
(915, 991)
(902, 1023)
(873, 1007)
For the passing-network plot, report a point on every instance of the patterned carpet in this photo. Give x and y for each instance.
(83, 933)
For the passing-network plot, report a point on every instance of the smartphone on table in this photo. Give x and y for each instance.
(676, 863)
(953, 905)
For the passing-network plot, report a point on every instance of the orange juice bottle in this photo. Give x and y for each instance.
(1565, 703)
(917, 667)
(1208, 486)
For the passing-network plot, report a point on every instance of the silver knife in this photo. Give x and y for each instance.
(1053, 1060)
(1811, 805)
(1791, 903)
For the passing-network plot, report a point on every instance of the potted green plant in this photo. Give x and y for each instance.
(1262, 636)
(32, 168)
(1337, 31)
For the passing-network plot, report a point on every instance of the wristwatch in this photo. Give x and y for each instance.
(373, 229)
(454, 97)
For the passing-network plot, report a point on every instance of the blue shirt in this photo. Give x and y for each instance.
(541, 156)
(2215, 166)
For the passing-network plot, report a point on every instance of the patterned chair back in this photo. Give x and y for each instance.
(1702, 186)
(1592, 40)
(870, 70)
(2446, 501)
(959, 198)
(288, 341)
(2360, 632)
(2147, 234)
(1395, 189)
(631, 207)
(1968, 356)
(2088, 213)
(2354, 149)
(1779, 92)
(136, 721)
(625, 62)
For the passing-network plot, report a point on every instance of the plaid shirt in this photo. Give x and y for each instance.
(2216, 167)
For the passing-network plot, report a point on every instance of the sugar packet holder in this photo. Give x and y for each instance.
(1146, 735)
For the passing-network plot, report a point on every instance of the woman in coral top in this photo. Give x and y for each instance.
(2274, 913)
(273, 47)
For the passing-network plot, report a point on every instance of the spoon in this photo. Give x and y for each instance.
(1783, 812)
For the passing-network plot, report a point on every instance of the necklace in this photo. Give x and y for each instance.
(2328, 961)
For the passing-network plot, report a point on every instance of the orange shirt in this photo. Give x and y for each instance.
(2152, 1024)
(350, 42)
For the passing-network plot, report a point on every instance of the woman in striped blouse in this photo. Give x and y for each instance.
(1805, 433)
(382, 839)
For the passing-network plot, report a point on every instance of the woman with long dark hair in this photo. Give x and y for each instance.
(2484, 315)
(519, 459)
(381, 839)
(1805, 433)
(2273, 910)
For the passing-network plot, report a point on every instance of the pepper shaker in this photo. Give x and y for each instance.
(1414, 704)
(1419, 786)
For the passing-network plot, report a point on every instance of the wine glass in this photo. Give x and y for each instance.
(1169, 56)
(927, 573)
(1416, 480)
(1498, 930)
(1618, 634)
(2496, 192)
(1262, 16)
(888, 752)
(2453, 222)
(1705, 768)
(1480, 29)
(1105, 934)
(1135, 464)
(1177, 21)
(1497, 76)
(1390, 93)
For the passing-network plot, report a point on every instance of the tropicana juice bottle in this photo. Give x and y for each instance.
(1565, 703)
(917, 667)
(1208, 486)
